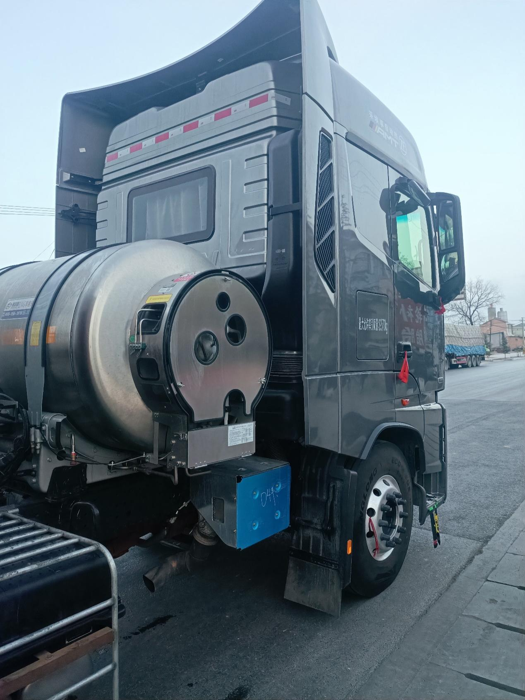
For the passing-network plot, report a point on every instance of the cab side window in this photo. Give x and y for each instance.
(412, 234)
(369, 178)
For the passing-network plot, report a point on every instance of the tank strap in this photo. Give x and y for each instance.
(36, 338)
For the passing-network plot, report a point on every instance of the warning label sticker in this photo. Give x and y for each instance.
(34, 338)
(185, 277)
(51, 335)
(12, 336)
(158, 299)
(18, 308)
(239, 434)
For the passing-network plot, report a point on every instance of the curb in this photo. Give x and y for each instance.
(392, 677)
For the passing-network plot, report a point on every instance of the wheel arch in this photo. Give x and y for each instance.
(410, 441)
(403, 436)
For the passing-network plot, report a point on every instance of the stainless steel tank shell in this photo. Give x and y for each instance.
(88, 375)
(224, 309)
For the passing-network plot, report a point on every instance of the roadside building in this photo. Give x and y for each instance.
(494, 329)
(516, 334)
(498, 327)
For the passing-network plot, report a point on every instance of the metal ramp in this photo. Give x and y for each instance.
(26, 547)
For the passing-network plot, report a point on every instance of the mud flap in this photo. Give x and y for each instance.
(320, 561)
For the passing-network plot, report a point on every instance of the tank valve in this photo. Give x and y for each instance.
(204, 538)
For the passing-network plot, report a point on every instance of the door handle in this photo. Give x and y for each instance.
(403, 348)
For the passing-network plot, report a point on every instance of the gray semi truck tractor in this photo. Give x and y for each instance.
(242, 330)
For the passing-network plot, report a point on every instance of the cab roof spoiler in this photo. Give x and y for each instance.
(272, 31)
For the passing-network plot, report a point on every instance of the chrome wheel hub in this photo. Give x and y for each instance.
(385, 516)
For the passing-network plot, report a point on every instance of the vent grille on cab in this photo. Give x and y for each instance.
(324, 221)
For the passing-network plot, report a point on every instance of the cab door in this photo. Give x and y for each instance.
(418, 317)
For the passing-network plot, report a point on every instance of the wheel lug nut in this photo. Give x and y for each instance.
(401, 529)
(386, 509)
(390, 544)
(384, 538)
(397, 540)
(384, 523)
(401, 501)
(397, 494)
(403, 514)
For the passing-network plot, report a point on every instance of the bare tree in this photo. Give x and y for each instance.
(479, 294)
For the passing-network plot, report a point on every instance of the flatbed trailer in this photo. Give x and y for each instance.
(464, 345)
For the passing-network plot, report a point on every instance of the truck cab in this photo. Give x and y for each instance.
(262, 154)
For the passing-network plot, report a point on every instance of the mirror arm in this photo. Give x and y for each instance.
(437, 197)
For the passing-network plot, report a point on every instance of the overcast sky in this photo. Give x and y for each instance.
(453, 71)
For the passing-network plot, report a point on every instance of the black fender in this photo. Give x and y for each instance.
(416, 463)
(387, 426)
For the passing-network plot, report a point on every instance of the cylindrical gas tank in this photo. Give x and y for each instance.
(88, 374)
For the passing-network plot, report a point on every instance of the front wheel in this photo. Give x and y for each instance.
(383, 519)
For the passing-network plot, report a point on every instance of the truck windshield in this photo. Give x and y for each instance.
(179, 208)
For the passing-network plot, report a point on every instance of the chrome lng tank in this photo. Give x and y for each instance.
(109, 311)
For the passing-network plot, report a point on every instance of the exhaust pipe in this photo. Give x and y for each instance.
(204, 538)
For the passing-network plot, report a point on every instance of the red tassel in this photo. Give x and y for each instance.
(403, 374)
(441, 309)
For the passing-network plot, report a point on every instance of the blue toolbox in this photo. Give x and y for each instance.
(245, 500)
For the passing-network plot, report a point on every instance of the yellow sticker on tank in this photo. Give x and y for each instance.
(158, 299)
(34, 338)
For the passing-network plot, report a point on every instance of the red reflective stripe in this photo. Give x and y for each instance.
(254, 102)
(223, 113)
(190, 126)
(258, 100)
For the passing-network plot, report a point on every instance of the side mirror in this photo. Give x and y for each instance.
(451, 257)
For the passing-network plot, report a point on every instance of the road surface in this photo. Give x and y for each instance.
(227, 634)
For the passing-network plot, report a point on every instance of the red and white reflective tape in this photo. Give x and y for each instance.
(191, 126)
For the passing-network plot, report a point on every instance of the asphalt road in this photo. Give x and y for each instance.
(227, 634)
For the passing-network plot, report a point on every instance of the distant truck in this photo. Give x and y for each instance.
(464, 345)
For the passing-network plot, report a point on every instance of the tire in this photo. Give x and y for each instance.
(475, 361)
(372, 575)
(469, 361)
